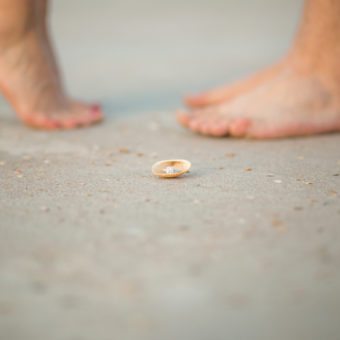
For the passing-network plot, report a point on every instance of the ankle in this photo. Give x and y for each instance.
(323, 64)
(14, 30)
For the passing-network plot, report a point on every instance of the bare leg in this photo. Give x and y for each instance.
(298, 96)
(29, 76)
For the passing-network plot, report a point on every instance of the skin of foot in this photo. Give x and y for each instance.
(29, 76)
(298, 96)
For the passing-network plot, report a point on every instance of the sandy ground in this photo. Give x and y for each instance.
(92, 246)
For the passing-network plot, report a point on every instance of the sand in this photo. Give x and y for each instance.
(93, 246)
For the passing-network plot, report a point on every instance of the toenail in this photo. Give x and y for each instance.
(96, 109)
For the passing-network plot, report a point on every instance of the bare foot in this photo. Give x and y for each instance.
(280, 102)
(30, 81)
(298, 96)
(224, 93)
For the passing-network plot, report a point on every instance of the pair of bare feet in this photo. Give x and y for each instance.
(298, 96)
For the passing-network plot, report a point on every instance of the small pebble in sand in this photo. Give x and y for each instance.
(278, 181)
(18, 173)
(270, 175)
(44, 208)
(278, 224)
(248, 169)
(333, 193)
(47, 161)
(300, 158)
(308, 183)
(298, 208)
(139, 154)
(336, 175)
(124, 150)
(2, 163)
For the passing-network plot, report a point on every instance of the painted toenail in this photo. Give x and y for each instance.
(96, 110)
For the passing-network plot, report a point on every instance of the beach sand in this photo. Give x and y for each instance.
(92, 246)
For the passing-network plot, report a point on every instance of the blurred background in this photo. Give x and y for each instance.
(144, 55)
